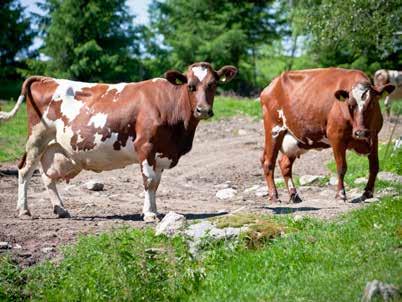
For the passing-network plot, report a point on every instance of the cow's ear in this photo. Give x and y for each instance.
(342, 95)
(226, 73)
(175, 77)
(386, 90)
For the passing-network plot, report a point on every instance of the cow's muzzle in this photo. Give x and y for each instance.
(362, 134)
(203, 112)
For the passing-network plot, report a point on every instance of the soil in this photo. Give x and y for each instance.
(226, 151)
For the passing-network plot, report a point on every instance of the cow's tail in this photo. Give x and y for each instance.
(5, 116)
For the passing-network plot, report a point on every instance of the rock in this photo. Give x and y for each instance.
(94, 185)
(222, 186)
(253, 188)
(360, 180)
(309, 179)
(171, 224)
(17, 246)
(242, 132)
(388, 192)
(4, 245)
(397, 144)
(388, 176)
(261, 192)
(298, 217)
(333, 181)
(371, 200)
(47, 250)
(385, 291)
(226, 193)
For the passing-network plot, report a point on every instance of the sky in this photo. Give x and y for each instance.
(136, 7)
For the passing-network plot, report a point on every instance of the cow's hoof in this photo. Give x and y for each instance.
(60, 212)
(341, 195)
(295, 198)
(24, 214)
(367, 194)
(151, 217)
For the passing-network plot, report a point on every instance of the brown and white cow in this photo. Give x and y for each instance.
(301, 112)
(394, 77)
(76, 126)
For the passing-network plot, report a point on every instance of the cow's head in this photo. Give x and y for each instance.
(201, 81)
(361, 102)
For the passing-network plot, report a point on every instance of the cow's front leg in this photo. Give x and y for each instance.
(374, 168)
(151, 177)
(340, 158)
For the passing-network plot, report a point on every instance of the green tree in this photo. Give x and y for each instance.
(218, 31)
(90, 40)
(15, 39)
(363, 34)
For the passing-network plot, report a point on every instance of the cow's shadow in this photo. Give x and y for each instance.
(289, 210)
(139, 217)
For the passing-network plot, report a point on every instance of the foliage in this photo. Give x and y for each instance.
(223, 32)
(90, 41)
(15, 39)
(13, 134)
(362, 34)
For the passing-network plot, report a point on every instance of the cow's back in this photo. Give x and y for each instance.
(304, 98)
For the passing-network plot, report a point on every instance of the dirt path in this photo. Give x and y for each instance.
(223, 151)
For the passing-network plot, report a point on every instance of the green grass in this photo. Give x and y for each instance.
(225, 107)
(13, 134)
(315, 261)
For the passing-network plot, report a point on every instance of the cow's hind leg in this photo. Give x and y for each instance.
(35, 146)
(273, 142)
(286, 164)
(57, 203)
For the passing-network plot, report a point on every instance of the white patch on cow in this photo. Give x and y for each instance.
(65, 92)
(162, 162)
(357, 93)
(98, 120)
(158, 79)
(290, 146)
(309, 141)
(200, 72)
(277, 130)
(119, 87)
(148, 170)
(283, 118)
(324, 140)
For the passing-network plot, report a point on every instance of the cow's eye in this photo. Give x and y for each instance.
(211, 85)
(191, 88)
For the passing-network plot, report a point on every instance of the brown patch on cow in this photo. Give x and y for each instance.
(21, 164)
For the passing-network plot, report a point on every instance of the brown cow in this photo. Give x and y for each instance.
(301, 112)
(76, 126)
(394, 77)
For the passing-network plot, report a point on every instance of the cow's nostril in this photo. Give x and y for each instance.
(198, 109)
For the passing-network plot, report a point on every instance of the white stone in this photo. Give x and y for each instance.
(171, 224)
(253, 188)
(333, 181)
(47, 250)
(242, 132)
(94, 185)
(309, 179)
(226, 193)
(371, 200)
(4, 245)
(261, 192)
(360, 180)
(388, 176)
